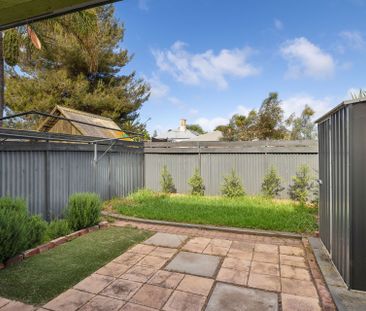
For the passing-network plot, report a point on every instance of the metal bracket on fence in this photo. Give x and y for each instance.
(95, 142)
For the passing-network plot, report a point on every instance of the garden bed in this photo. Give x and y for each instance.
(42, 277)
(242, 212)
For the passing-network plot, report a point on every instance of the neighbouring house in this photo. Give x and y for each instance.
(73, 127)
(179, 134)
(210, 136)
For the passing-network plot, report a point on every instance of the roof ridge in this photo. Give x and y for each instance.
(96, 116)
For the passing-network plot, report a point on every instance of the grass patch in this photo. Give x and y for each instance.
(243, 212)
(42, 277)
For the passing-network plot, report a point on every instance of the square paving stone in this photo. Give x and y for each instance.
(152, 296)
(197, 264)
(264, 281)
(293, 261)
(266, 248)
(113, 269)
(142, 249)
(163, 252)
(196, 245)
(94, 283)
(166, 240)
(291, 250)
(291, 272)
(233, 276)
(233, 298)
(134, 307)
(265, 268)
(196, 285)
(236, 263)
(299, 288)
(139, 273)
(17, 306)
(129, 258)
(166, 279)
(121, 289)
(152, 261)
(101, 303)
(3, 301)
(296, 303)
(70, 300)
(181, 301)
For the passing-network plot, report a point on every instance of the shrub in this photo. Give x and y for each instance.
(58, 228)
(196, 182)
(83, 210)
(13, 227)
(232, 186)
(271, 186)
(302, 185)
(36, 229)
(166, 181)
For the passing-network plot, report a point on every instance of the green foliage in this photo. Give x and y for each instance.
(11, 42)
(58, 228)
(232, 186)
(302, 127)
(196, 182)
(81, 65)
(302, 185)
(196, 128)
(271, 186)
(83, 210)
(166, 181)
(36, 231)
(13, 227)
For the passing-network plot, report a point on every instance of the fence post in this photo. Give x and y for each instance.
(47, 184)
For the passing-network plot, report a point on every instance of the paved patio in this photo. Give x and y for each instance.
(194, 270)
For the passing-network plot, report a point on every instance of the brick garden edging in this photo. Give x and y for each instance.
(51, 244)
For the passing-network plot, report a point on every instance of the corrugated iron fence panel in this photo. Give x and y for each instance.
(46, 178)
(325, 187)
(251, 167)
(340, 239)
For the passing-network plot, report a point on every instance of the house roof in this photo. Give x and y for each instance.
(210, 136)
(177, 134)
(20, 12)
(84, 129)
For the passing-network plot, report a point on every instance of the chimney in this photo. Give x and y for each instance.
(182, 125)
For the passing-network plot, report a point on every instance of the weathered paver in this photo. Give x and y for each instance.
(218, 271)
(197, 264)
(234, 298)
(182, 301)
(70, 300)
(17, 306)
(3, 301)
(166, 240)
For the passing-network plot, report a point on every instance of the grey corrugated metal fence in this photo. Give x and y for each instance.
(46, 174)
(251, 161)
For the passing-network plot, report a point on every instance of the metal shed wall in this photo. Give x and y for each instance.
(47, 175)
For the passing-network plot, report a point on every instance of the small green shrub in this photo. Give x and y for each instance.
(13, 227)
(232, 186)
(196, 182)
(271, 186)
(302, 185)
(36, 229)
(57, 228)
(83, 210)
(166, 181)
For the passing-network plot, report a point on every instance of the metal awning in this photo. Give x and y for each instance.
(19, 12)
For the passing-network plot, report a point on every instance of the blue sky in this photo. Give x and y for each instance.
(207, 59)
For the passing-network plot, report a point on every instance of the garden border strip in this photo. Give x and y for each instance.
(207, 227)
(51, 244)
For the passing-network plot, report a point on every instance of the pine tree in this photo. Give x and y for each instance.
(196, 182)
(232, 186)
(302, 185)
(271, 186)
(166, 181)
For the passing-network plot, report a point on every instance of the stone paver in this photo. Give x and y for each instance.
(234, 298)
(101, 303)
(3, 301)
(94, 283)
(152, 296)
(166, 279)
(196, 285)
(296, 303)
(182, 301)
(121, 289)
(17, 306)
(197, 264)
(189, 270)
(70, 300)
(166, 240)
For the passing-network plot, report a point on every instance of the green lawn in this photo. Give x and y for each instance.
(42, 277)
(245, 212)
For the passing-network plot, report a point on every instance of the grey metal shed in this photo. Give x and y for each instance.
(342, 174)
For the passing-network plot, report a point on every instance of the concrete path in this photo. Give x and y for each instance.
(182, 269)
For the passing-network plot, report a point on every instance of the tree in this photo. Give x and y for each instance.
(2, 79)
(81, 66)
(166, 181)
(302, 185)
(270, 119)
(196, 128)
(232, 187)
(196, 182)
(302, 127)
(271, 186)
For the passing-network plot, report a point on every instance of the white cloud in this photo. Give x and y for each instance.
(195, 69)
(278, 24)
(210, 124)
(306, 59)
(158, 88)
(296, 104)
(143, 5)
(352, 40)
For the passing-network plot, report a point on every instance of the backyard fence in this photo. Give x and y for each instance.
(250, 160)
(45, 169)
(45, 173)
